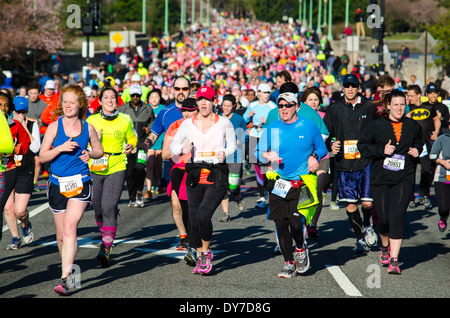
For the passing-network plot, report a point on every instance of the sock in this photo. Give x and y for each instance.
(356, 222)
(367, 214)
(108, 234)
(100, 225)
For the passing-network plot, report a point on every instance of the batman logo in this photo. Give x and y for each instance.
(420, 114)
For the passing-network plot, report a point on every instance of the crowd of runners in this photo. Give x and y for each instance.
(188, 119)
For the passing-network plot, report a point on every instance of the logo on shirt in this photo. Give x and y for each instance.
(420, 114)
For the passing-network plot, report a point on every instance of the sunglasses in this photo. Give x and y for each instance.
(287, 105)
(347, 85)
(185, 89)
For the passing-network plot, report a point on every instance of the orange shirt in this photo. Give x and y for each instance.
(47, 116)
(397, 130)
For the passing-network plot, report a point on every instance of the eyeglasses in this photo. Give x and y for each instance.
(347, 85)
(185, 89)
(287, 105)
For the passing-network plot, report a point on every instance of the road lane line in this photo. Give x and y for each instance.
(343, 281)
(32, 213)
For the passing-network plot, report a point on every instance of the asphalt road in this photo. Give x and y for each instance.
(145, 264)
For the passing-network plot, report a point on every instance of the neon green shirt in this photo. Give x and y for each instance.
(115, 134)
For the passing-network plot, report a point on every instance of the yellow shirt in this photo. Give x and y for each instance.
(115, 134)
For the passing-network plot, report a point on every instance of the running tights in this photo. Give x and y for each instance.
(106, 195)
(442, 191)
(391, 202)
(203, 200)
(288, 229)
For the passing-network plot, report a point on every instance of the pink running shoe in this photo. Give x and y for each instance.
(393, 267)
(204, 264)
(385, 255)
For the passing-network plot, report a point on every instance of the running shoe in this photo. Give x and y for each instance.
(261, 203)
(442, 225)
(393, 267)
(312, 231)
(28, 235)
(225, 217)
(15, 244)
(412, 204)
(63, 286)
(241, 206)
(370, 236)
(183, 244)
(301, 257)
(361, 247)
(385, 255)
(104, 255)
(139, 200)
(36, 188)
(204, 264)
(334, 206)
(153, 190)
(148, 195)
(191, 256)
(426, 202)
(132, 204)
(288, 270)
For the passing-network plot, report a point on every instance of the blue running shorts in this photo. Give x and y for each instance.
(354, 185)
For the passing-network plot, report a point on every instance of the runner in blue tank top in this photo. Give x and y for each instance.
(69, 187)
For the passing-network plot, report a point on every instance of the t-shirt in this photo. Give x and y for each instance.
(293, 143)
(261, 110)
(115, 133)
(424, 115)
(159, 142)
(165, 118)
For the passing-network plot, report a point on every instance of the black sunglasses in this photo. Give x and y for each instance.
(347, 85)
(287, 105)
(185, 89)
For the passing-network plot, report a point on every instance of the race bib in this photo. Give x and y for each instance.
(100, 164)
(206, 156)
(394, 162)
(142, 156)
(351, 150)
(281, 187)
(70, 186)
(18, 160)
(233, 180)
(448, 175)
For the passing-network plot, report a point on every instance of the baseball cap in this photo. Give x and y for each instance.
(431, 87)
(50, 84)
(189, 104)
(88, 91)
(264, 87)
(135, 89)
(20, 103)
(350, 78)
(136, 77)
(289, 97)
(230, 98)
(207, 92)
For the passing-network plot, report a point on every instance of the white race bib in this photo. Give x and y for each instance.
(70, 186)
(281, 187)
(394, 162)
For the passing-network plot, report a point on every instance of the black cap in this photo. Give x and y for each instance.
(229, 97)
(189, 104)
(431, 87)
(350, 78)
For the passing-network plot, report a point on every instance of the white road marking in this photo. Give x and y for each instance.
(343, 281)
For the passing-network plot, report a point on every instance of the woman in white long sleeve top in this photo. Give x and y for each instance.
(210, 139)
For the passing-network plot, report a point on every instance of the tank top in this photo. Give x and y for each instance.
(68, 164)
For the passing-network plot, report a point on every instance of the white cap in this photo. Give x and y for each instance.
(136, 77)
(87, 91)
(264, 87)
(135, 89)
(50, 84)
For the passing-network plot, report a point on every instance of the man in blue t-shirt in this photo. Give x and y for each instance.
(293, 146)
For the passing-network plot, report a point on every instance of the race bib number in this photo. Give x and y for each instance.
(206, 156)
(394, 162)
(281, 187)
(18, 160)
(100, 164)
(142, 156)
(70, 186)
(351, 150)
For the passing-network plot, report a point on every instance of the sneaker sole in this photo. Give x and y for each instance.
(60, 290)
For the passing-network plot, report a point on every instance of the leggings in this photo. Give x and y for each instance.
(391, 202)
(106, 195)
(203, 200)
(7, 185)
(287, 230)
(442, 191)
